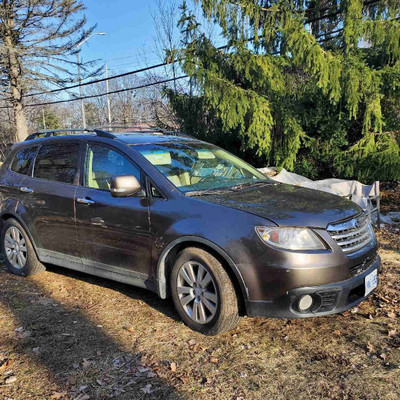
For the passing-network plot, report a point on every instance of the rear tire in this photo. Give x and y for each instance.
(18, 252)
(203, 293)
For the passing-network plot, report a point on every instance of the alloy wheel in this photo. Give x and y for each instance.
(197, 292)
(15, 247)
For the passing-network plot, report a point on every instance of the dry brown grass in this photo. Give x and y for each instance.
(66, 335)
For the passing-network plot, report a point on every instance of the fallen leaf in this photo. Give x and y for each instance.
(22, 334)
(337, 332)
(58, 395)
(392, 332)
(214, 360)
(192, 342)
(45, 301)
(130, 329)
(146, 389)
(10, 379)
(86, 364)
(370, 347)
(82, 397)
(173, 367)
(5, 364)
(391, 314)
(82, 388)
(383, 356)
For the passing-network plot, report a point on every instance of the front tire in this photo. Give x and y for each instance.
(203, 293)
(18, 252)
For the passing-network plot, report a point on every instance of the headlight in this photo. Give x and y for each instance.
(290, 238)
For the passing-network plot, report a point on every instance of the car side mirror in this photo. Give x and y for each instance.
(124, 186)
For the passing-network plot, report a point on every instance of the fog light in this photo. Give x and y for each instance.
(305, 302)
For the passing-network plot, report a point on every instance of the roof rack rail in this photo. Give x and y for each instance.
(53, 132)
(104, 134)
(146, 129)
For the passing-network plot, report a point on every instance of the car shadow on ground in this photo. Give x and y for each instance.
(42, 337)
(164, 306)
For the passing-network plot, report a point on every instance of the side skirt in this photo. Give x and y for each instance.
(94, 268)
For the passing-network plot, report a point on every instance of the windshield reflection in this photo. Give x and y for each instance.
(196, 166)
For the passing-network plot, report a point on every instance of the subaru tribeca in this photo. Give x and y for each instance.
(185, 219)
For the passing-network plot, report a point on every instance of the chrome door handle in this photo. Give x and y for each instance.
(25, 189)
(85, 201)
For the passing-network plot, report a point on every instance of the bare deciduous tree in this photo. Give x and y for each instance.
(37, 37)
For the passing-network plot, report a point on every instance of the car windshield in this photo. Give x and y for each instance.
(196, 166)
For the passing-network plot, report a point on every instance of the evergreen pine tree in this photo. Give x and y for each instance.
(342, 54)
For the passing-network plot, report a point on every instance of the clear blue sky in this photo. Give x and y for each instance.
(129, 31)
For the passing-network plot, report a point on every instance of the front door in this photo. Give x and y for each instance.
(113, 232)
(49, 199)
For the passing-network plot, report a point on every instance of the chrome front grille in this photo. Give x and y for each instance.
(352, 235)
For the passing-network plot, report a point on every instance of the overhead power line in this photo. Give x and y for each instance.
(137, 71)
(103, 94)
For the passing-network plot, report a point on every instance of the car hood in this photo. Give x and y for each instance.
(288, 205)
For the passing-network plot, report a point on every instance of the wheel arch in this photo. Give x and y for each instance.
(10, 214)
(168, 255)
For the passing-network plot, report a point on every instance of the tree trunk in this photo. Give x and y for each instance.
(21, 128)
(15, 75)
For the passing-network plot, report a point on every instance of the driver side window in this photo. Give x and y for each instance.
(102, 162)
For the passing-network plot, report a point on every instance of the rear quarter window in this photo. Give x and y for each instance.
(23, 160)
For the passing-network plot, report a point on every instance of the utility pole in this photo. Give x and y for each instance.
(43, 119)
(81, 92)
(79, 75)
(108, 98)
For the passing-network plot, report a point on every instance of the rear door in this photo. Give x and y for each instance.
(13, 176)
(49, 198)
(113, 232)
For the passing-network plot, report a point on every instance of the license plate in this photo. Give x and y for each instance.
(371, 281)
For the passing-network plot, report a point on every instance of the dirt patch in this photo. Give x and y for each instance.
(66, 335)
(390, 197)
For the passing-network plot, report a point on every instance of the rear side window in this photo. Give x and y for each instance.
(23, 160)
(57, 162)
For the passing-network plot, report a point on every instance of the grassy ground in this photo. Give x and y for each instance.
(66, 335)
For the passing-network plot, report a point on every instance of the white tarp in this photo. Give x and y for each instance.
(353, 190)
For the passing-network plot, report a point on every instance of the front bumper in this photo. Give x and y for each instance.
(329, 298)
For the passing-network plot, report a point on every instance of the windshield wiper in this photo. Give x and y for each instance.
(249, 184)
(207, 192)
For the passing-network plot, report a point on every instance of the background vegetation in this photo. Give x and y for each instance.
(310, 86)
